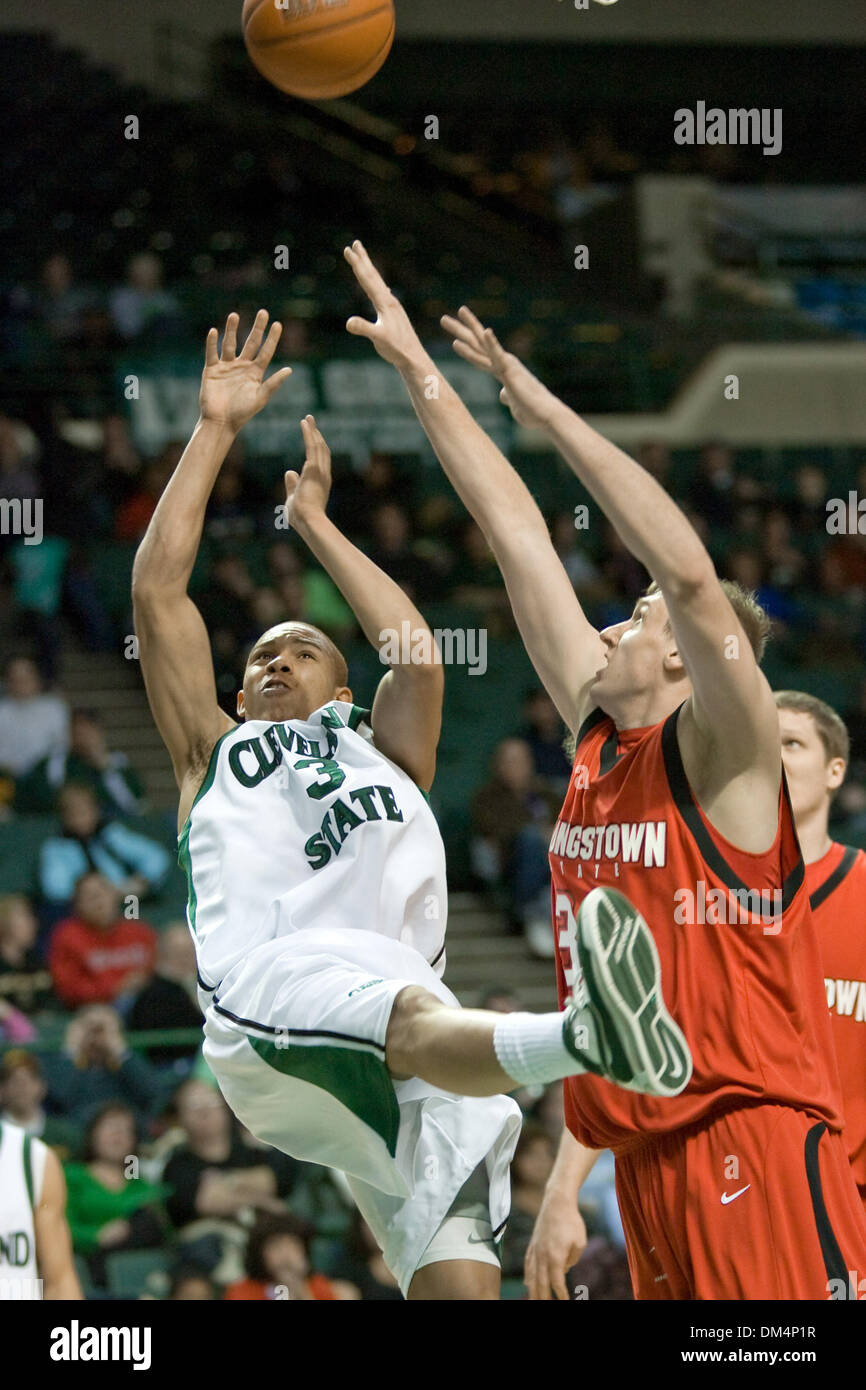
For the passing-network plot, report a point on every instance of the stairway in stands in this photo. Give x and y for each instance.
(480, 953)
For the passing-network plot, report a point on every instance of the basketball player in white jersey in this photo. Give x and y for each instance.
(317, 892)
(35, 1245)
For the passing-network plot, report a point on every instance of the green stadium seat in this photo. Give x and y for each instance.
(131, 1273)
(512, 1289)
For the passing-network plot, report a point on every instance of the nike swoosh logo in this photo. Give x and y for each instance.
(729, 1197)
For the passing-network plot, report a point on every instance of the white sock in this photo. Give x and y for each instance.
(530, 1048)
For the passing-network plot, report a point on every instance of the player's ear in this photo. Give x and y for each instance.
(345, 694)
(240, 704)
(836, 769)
(673, 662)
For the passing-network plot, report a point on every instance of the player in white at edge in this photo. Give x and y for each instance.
(317, 893)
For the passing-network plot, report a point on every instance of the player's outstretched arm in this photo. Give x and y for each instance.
(407, 709)
(730, 719)
(173, 643)
(564, 647)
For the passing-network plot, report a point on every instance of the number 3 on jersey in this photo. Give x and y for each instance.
(333, 773)
(567, 937)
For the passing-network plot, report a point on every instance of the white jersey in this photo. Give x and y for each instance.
(306, 824)
(22, 1169)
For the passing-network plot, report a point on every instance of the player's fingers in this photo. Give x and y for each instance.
(230, 338)
(255, 335)
(459, 330)
(211, 356)
(362, 328)
(471, 354)
(291, 479)
(498, 355)
(556, 1275)
(472, 323)
(269, 346)
(274, 382)
(366, 274)
(316, 438)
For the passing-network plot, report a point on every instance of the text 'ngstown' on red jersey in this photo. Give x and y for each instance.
(746, 988)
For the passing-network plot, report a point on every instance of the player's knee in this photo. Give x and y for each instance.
(406, 1031)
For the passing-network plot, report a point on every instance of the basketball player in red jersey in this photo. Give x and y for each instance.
(739, 1187)
(815, 749)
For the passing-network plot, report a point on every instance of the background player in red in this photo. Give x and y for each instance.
(815, 749)
(739, 1187)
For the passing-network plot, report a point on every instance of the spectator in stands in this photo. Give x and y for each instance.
(34, 724)
(142, 307)
(110, 1207)
(97, 1066)
(544, 732)
(513, 816)
(214, 1173)
(168, 1000)
(625, 576)
(133, 862)
(475, 578)
(320, 599)
(97, 956)
(500, 999)
(60, 304)
(601, 1273)
(134, 515)
(655, 457)
(278, 1265)
(392, 548)
(785, 564)
(22, 1093)
(120, 462)
(19, 474)
(234, 499)
(226, 603)
(584, 575)
(808, 508)
(38, 578)
(357, 495)
(25, 982)
(530, 1170)
(717, 488)
(191, 1284)
(15, 1027)
(88, 762)
(363, 1266)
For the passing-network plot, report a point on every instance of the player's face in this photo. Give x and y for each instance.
(289, 674)
(811, 775)
(635, 651)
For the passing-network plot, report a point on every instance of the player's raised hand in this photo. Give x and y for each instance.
(558, 1241)
(529, 401)
(233, 388)
(307, 492)
(392, 335)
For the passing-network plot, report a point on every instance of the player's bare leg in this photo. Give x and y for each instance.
(466, 1280)
(620, 1029)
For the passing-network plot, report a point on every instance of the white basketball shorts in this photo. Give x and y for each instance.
(295, 1036)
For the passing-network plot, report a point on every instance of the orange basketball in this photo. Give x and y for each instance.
(318, 48)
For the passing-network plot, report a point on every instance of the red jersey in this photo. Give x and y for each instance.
(837, 892)
(89, 966)
(741, 970)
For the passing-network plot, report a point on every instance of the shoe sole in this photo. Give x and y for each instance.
(621, 967)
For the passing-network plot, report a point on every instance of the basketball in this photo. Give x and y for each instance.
(318, 48)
